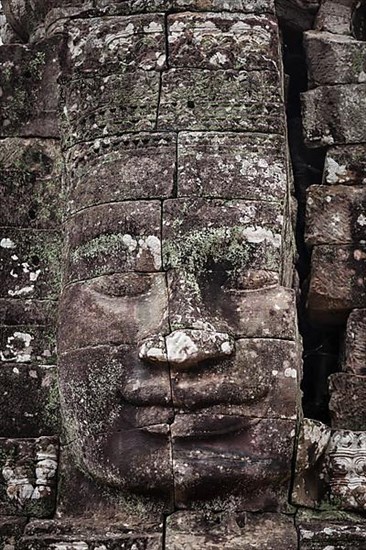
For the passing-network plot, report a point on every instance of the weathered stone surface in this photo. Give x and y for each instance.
(331, 530)
(232, 165)
(335, 16)
(309, 487)
(136, 461)
(27, 344)
(354, 360)
(101, 106)
(259, 380)
(347, 398)
(29, 404)
(123, 7)
(133, 166)
(116, 309)
(229, 531)
(201, 235)
(115, 45)
(11, 529)
(346, 467)
(89, 535)
(28, 476)
(29, 263)
(223, 41)
(191, 347)
(337, 284)
(334, 59)
(28, 80)
(115, 237)
(14, 312)
(334, 114)
(297, 14)
(345, 165)
(335, 215)
(200, 99)
(107, 389)
(220, 459)
(30, 183)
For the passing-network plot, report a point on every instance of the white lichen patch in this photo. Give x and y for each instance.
(188, 347)
(18, 348)
(7, 243)
(24, 291)
(334, 172)
(260, 234)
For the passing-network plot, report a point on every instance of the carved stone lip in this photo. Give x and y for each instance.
(199, 426)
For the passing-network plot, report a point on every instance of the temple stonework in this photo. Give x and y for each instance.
(183, 275)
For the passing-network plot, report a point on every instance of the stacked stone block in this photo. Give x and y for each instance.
(30, 249)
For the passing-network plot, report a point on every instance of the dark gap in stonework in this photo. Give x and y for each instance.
(321, 344)
(359, 21)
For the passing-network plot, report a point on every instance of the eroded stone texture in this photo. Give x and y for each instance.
(29, 403)
(231, 165)
(346, 467)
(335, 16)
(30, 183)
(220, 459)
(116, 237)
(116, 391)
(29, 89)
(335, 215)
(297, 14)
(30, 263)
(199, 99)
(28, 476)
(122, 7)
(309, 485)
(345, 165)
(27, 343)
(91, 311)
(331, 531)
(334, 59)
(331, 298)
(229, 531)
(354, 360)
(347, 398)
(223, 41)
(259, 380)
(98, 106)
(334, 114)
(133, 166)
(114, 45)
(87, 535)
(11, 529)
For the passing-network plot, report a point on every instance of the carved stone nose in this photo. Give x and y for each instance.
(190, 346)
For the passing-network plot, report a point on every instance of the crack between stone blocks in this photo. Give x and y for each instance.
(158, 103)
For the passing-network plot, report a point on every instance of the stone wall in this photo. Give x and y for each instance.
(148, 215)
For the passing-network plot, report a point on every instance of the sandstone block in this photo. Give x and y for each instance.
(231, 165)
(345, 165)
(334, 115)
(28, 476)
(115, 237)
(27, 344)
(335, 215)
(335, 16)
(30, 263)
(101, 106)
(105, 46)
(260, 379)
(108, 389)
(347, 396)
(337, 282)
(331, 530)
(29, 89)
(309, 487)
(29, 402)
(229, 531)
(223, 41)
(198, 99)
(354, 360)
(334, 58)
(244, 460)
(346, 466)
(136, 166)
(115, 309)
(30, 183)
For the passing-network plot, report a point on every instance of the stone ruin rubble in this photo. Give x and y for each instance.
(183, 203)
